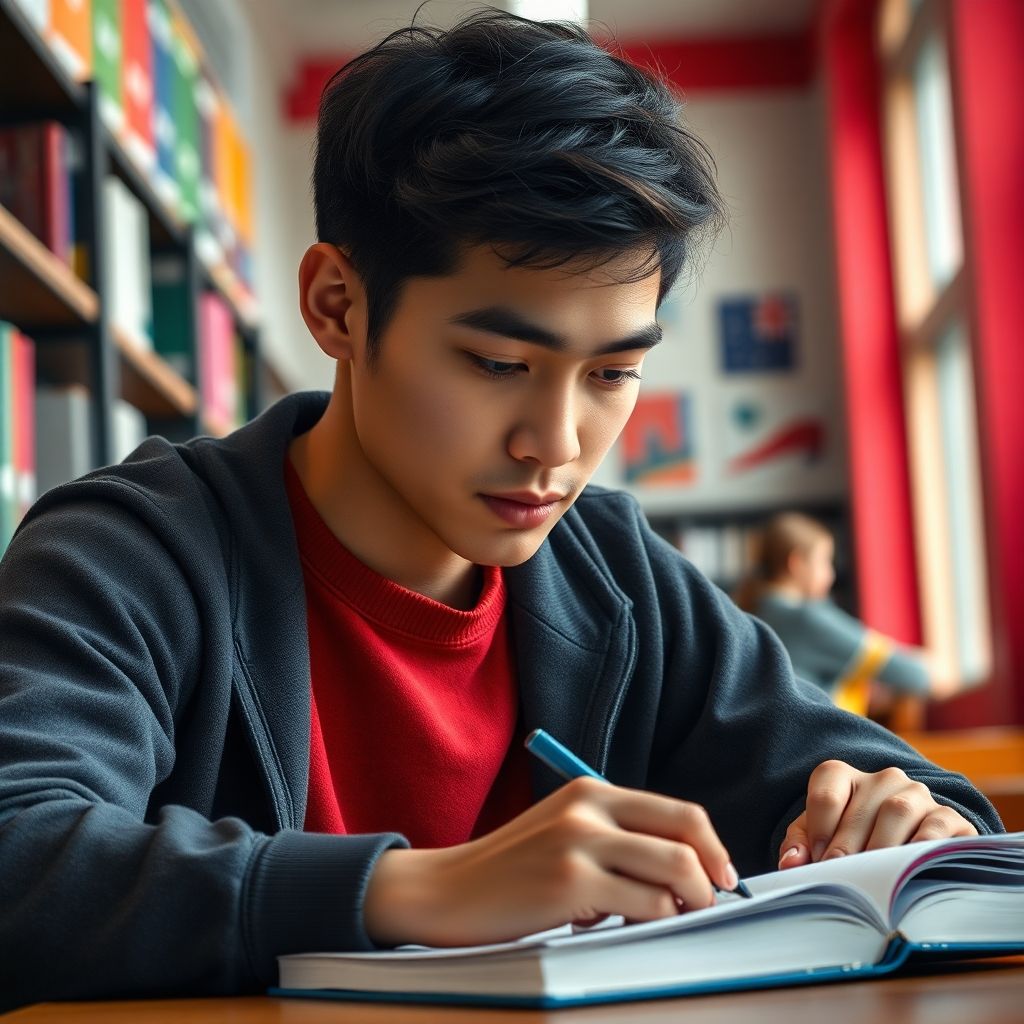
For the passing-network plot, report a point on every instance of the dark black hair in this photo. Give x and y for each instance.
(528, 136)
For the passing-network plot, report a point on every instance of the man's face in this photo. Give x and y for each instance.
(495, 394)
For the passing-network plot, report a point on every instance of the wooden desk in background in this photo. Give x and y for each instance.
(986, 992)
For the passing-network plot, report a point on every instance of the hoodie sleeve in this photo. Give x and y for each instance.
(105, 642)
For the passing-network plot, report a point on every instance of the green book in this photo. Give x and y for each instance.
(173, 318)
(8, 489)
(186, 121)
(107, 56)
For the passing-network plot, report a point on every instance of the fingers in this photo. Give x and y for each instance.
(677, 820)
(849, 811)
(829, 792)
(663, 866)
(795, 850)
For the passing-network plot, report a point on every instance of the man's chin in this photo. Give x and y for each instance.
(506, 552)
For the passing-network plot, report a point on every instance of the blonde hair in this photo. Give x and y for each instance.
(778, 539)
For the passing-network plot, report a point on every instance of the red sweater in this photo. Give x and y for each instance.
(414, 704)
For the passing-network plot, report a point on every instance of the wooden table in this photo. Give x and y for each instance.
(985, 992)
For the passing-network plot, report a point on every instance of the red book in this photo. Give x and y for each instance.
(24, 379)
(137, 83)
(35, 182)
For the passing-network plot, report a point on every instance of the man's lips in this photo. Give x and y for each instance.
(523, 509)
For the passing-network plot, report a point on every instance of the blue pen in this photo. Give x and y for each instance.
(562, 760)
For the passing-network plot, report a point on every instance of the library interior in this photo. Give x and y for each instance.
(831, 419)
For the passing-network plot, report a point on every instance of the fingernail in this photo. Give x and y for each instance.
(832, 854)
(791, 854)
(818, 849)
(732, 877)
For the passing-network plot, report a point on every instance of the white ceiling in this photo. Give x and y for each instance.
(325, 26)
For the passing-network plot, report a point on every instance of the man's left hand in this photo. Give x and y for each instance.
(849, 811)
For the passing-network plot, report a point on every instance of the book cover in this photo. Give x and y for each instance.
(208, 225)
(35, 182)
(127, 263)
(63, 436)
(107, 60)
(70, 36)
(185, 54)
(174, 317)
(23, 406)
(217, 380)
(8, 485)
(164, 131)
(137, 85)
(129, 429)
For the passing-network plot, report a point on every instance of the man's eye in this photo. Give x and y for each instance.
(494, 367)
(610, 375)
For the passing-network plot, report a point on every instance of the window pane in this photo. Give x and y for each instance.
(938, 161)
(957, 421)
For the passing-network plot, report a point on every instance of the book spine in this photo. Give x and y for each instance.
(137, 84)
(63, 439)
(70, 36)
(107, 60)
(8, 489)
(24, 379)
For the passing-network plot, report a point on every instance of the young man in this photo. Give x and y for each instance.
(267, 693)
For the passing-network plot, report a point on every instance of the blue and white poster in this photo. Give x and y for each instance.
(759, 333)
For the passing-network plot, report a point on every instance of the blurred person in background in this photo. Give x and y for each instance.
(859, 668)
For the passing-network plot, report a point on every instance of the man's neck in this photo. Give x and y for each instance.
(366, 515)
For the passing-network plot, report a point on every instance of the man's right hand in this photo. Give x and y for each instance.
(586, 851)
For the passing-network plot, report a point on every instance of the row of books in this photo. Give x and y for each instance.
(45, 433)
(152, 305)
(38, 162)
(724, 552)
(163, 106)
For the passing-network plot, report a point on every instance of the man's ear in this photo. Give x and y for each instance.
(332, 300)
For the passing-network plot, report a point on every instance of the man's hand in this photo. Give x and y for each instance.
(586, 851)
(850, 810)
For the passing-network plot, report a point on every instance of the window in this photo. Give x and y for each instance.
(932, 292)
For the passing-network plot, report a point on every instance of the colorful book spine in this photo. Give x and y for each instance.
(17, 429)
(185, 54)
(137, 84)
(217, 380)
(173, 317)
(8, 483)
(165, 179)
(107, 61)
(70, 36)
(24, 377)
(36, 182)
(208, 236)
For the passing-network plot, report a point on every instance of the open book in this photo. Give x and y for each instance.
(852, 917)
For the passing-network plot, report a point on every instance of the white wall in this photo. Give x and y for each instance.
(771, 156)
(282, 162)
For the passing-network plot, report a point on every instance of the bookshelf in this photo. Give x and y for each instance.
(65, 303)
(719, 540)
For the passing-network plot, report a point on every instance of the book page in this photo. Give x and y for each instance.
(881, 873)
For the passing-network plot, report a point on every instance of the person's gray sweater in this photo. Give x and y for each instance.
(154, 717)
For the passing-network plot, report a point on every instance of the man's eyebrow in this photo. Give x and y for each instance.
(510, 324)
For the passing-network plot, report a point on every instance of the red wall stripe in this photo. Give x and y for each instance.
(693, 65)
(988, 78)
(879, 479)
